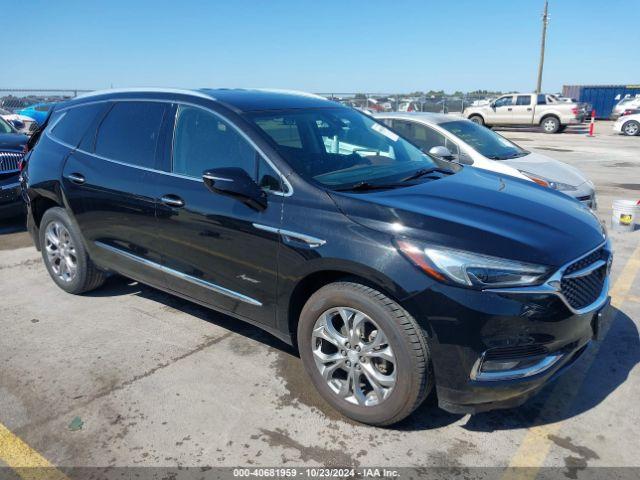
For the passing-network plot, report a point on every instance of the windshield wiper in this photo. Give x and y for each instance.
(363, 186)
(425, 171)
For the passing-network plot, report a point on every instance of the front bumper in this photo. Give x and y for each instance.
(465, 327)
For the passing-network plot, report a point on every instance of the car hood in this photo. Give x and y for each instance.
(548, 168)
(12, 141)
(484, 212)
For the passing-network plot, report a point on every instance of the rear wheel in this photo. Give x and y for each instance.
(477, 119)
(550, 125)
(365, 354)
(631, 128)
(64, 254)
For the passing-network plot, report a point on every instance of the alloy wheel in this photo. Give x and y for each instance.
(353, 355)
(631, 128)
(61, 252)
(549, 125)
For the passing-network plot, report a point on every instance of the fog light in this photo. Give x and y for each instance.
(494, 370)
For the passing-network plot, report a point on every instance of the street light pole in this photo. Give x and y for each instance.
(545, 22)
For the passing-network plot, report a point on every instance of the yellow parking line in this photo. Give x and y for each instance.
(535, 445)
(24, 460)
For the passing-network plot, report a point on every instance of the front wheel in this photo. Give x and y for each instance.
(631, 128)
(365, 354)
(550, 125)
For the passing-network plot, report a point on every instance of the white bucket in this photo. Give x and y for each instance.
(625, 215)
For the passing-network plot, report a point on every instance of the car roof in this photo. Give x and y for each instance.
(427, 117)
(239, 99)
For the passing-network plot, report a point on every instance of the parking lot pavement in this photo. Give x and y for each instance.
(129, 376)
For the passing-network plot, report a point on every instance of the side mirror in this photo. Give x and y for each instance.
(236, 183)
(441, 152)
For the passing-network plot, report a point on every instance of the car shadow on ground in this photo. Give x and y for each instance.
(599, 372)
(582, 129)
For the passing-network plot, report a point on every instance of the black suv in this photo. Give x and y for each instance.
(12, 146)
(393, 272)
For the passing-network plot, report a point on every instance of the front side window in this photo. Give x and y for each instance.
(487, 142)
(203, 141)
(129, 133)
(340, 147)
(425, 137)
(5, 127)
(504, 101)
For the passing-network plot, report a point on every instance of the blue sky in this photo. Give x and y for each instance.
(321, 46)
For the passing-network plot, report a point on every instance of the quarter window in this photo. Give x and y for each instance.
(129, 133)
(74, 123)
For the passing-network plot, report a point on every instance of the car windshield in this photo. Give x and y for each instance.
(484, 140)
(341, 148)
(5, 127)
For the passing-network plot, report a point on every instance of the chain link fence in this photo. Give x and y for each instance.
(27, 108)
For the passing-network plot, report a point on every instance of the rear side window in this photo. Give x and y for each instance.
(74, 123)
(523, 100)
(129, 133)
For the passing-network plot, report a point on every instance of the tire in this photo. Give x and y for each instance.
(62, 249)
(477, 119)
(550, 124)
(386, 330)
(631, 128)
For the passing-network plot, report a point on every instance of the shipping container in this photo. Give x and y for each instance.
(601, 97)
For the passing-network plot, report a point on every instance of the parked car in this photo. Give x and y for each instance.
(526, 109)
(38, 112)
(630, 111)
(628, 125)
(459, 140)
(11, 153)
(393, 272)
(625, 103)
(22, 123)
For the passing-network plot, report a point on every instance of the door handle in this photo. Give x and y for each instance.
(172, 201)
(529, 109)
(76, 178)
(509, 109)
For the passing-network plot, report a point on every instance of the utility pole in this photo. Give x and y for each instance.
(545, 22)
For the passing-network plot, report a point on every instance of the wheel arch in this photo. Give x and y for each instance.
(315, 280)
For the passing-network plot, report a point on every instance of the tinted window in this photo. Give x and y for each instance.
(523, 100)
(504, 101)
(340, 147)
(283, 132)
(75, 122)
(130, 131)
(203, 141)
(542, 99)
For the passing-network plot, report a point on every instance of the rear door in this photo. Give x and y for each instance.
(522, 111)
(217, 250)
(111, 184)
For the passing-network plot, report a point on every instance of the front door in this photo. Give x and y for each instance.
(217, 250)
(501, 112)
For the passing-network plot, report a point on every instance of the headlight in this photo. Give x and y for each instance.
(471, 269)
(562, 187)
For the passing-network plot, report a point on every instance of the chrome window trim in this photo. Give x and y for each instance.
(285, 181)
(310, 240)
(553, 285)
(196, 281)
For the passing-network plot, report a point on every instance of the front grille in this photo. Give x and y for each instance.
(582, 291)
(9, 161)
(515, 352)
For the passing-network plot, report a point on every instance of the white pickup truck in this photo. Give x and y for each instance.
(526, 109)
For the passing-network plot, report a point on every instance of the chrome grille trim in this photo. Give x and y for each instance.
(553, 285)
(9, 162)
